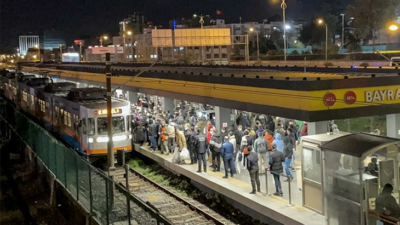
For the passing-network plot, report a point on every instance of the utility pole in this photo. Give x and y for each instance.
(110, 149)
(342, 30)
(284, 6)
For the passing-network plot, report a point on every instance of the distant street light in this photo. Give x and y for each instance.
(320, 22)
(194, 15)
(393, 27)
(284, 6)
(104, 37)
(258, 45)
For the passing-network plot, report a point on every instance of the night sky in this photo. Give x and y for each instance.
(95, 17)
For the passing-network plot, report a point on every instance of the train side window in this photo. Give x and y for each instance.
(25, 96)
(91, 126)
(68, 119)
(62, 115)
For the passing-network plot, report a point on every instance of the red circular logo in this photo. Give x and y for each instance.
(350, 97)
(95, 112)
(329, 99)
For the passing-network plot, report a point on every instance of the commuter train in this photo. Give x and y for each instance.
(77, 115)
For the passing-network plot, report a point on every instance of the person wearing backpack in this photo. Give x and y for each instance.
(244, 144)
(261, 148)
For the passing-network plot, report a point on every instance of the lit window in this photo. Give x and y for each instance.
(126, 44)
(130, 56)
(25, 96)
(135, 56)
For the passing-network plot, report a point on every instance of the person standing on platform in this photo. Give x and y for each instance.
(227, 152)
(276, 159)
(215, 147)
(304, 131)
(232, 140)
(200, 143)
(153, 130)
(164, 138)
(246, 142)
(387, 206)
(288, 153)
(171, 136)
(280, 130)
(279, 142)
(188, 137)
(253, 167)
(261, 148)
(259, 129)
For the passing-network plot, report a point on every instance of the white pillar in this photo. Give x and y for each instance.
(393, 125)
(168, 104)
(317, 128)
(132, 97)
(222, 115)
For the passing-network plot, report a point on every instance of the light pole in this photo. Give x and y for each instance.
(342, 30)
(258, 45)
(129, 33)
(320, 21)
(104, 37)
(284, 6)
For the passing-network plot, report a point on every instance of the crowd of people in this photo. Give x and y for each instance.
(258, 143)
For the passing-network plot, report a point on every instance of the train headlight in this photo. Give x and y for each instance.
(120, 138)
(102, 139)
(90, 140)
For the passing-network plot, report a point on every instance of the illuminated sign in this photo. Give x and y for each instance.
(77, 41)
(104, 112)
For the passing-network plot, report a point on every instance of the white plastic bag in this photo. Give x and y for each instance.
(176, 158)
(184, 154)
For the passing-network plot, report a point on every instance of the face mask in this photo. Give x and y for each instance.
(239, 129)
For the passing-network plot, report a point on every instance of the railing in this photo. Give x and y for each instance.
(105, 200)
(289, 185)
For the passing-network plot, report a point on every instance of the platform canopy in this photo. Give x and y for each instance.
(358, 144)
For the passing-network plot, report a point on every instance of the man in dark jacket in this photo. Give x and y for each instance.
(227, 152)
(386, 204)
(288, 154)
(189, 142)
(252, 166)
(215, 147)
(276, 159)
(153, 132)
(200, 144)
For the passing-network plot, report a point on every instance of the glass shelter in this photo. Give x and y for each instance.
(360, 178)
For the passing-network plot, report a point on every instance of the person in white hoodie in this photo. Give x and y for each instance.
(171, 136)
(232, 139)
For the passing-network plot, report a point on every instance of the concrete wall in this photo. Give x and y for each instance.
(319, 63)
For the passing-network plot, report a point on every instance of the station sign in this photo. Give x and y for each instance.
(329, 99)
(382, 95)
(350, 97)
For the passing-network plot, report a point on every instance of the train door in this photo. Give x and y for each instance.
(83, 129)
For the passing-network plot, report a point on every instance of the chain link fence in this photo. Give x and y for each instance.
(100, 196)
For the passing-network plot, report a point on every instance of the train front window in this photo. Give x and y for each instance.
(118, 125)
(91, 126)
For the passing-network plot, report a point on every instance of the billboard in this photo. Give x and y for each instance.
(70, 57)
(191, 37)
(161, 38)
(104, 50)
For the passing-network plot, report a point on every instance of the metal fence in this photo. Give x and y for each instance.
(106, 201)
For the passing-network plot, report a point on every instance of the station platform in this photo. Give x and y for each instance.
(269, 209)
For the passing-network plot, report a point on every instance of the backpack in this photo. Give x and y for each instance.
(246, 151)
(261, 147)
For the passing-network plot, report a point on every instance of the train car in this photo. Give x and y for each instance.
(81, 120)
(76, 115)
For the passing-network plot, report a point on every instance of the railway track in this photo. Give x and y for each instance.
(178, 210)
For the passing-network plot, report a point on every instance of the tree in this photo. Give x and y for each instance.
(353, 44)
(371, 16)
(266, 44)
(295, 52)
(277, 37)
(306, 34)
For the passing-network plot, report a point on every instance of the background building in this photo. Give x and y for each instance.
(52, 39)
(135, 23)
(28, 41)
